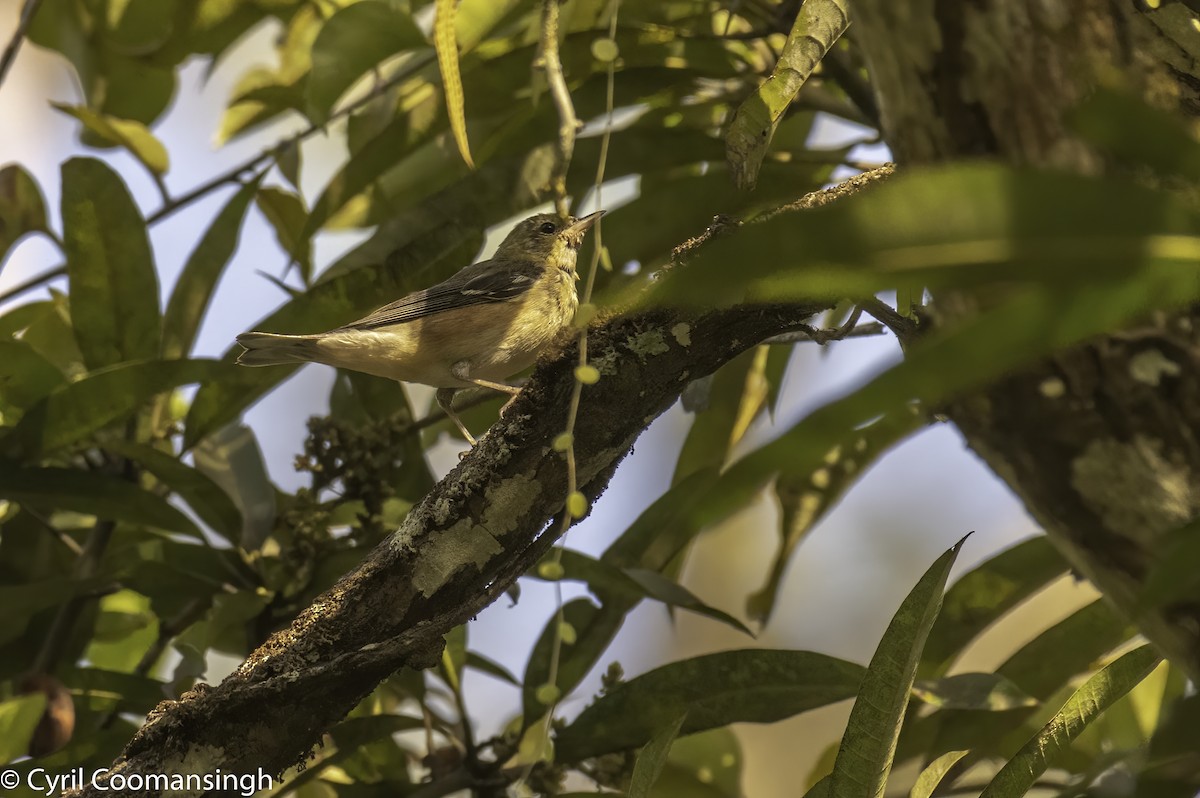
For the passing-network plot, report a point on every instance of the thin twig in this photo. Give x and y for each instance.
(86, 566)
(568, 122)
(14, 44)
(870, 329)
(34, 282)
(236, 172)
(902, 326)
(62, 536)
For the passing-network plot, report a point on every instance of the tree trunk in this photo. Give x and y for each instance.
(1101, 442)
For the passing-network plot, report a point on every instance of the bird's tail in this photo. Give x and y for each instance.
(272, 349)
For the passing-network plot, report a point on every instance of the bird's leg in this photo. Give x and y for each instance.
(461, 370)
(445, 400)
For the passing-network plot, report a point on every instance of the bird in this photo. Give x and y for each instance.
(479, 327)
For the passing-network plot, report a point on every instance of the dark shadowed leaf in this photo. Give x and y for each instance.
(956, 225)
(287, 214)
(805, 497)
(105, 497)
(750, 686)
(25, 376)
(1018, 775)
(609, 581)
(492, 668)
(1048, 662)
(232, 459)
(864, 757)
(594, 630)
(22, 209)
(1174, 575)
(201, 274)
(355, 39)
(1133, 131)
(972, 691)
(984, 594)
(72, 412)
(207, 499)
(1029, 324)
(114, 289)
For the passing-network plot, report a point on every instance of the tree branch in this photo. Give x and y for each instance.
(551, 64)
(14, 44)
(477, 531)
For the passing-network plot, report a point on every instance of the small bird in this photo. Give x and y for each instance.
(484, 324)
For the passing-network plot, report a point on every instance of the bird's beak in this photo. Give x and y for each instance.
(575, 231)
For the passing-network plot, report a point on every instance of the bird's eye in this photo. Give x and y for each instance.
(548, 228)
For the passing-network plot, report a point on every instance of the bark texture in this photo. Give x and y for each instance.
(1100, 442)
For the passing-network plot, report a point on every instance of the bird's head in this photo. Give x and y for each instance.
(548, 239)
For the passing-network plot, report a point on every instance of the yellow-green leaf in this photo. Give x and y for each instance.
(133, 136)
(446, 43)
(818, 25)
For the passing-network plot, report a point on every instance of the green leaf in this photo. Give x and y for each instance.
(139, 27)
(704, 765)
(962, 225)
(133, 136)
(750, 686)
(985, 594)
(114, 289)
(819, 24)
(653, 757)
(232, 459)
(100, 495)
(1018, 775)
(22, 209)
(932, 776)
(202, 494)
(865, 755)
(594, 630)
(1125, 126)
(22, 601)
(25, 377)
(194, 289)
(353, 41)
(125, 628)
(610, 581)
(492, 668)
(454, 656)
(71, 413)
(1029, 324)
(1048, 662)
(101, 690)
(18, 719)
(989, 691)
(445, 41)
(1170, 578)
(806, 496)
(710, 439)
(1041, 668)
(288, 216)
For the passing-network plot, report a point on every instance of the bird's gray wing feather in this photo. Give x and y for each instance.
(479, 284)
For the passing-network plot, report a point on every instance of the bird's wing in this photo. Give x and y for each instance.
(479, 284)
